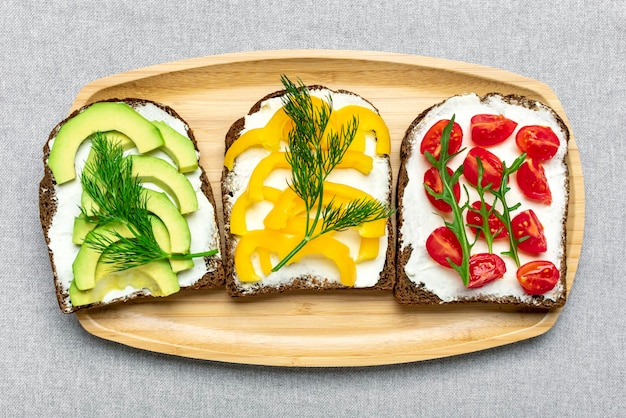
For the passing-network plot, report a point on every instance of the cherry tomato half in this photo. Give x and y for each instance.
(433, 180)
(531, 179)
(490, 130)
(432, 139)
(496, 226)
(538, 277)
(485, 268)
(526, 224)
(538, 142)
(492, 167)
(442, 244)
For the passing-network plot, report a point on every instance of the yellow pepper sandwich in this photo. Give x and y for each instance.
(306, 191)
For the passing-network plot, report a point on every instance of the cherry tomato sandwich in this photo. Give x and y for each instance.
(482, 204)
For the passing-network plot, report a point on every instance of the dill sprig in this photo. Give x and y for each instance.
(313, 153)
(119, 198)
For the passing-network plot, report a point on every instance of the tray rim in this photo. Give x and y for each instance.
(475, 70)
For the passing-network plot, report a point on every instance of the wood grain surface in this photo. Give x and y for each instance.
(338, 328)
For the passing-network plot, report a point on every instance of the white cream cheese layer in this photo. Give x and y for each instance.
(204, 231)
(376, 183)
(420, 218)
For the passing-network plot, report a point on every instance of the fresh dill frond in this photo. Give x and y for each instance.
(313, 153)
(355, 213)
(119, 198)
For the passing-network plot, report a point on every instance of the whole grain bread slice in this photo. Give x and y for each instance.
(48, 204)
(413, 290)
(386, 277)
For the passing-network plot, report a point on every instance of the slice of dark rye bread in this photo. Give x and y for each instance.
(407, 291)
(386, 277)
(214, 276)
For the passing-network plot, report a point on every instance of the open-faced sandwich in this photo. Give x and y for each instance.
(306, 191)
(482, 204)
(126, 210)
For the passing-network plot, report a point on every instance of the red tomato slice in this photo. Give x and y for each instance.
(495, 224)
(432, 139)
(442, 244)
(492, 167)
(485, 268)
(538, 142)
(490, 130)
(526, 224)
(531, 179)
(433, 180)
(538, 277)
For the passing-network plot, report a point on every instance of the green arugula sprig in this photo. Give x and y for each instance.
(311, 163)
(505, 217)
(119, 197)
(484, 212)
(457, 224)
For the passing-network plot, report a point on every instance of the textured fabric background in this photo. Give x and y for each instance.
(49, 366)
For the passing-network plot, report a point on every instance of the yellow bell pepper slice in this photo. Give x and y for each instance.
(268, 137)
(273, 241)
(242, 204)
(335, 251)
(368, 121)
(368, 249)
(359, 161)
(265, 260)
(281, 243)
(290, 205)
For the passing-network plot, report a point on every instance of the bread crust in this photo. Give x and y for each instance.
(386, 278)
(407, 292)
(214, 277)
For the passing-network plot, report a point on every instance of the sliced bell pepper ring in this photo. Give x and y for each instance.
(268, 137)
(368, 250)
(241, 205)
(359, 161)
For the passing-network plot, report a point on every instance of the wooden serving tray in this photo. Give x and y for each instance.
(340, 328)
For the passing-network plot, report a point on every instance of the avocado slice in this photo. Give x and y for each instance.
(101, 116)
(164, 238)
(163, 174)
(178, 147)
(176, 226)
(82, 227)
(84, 266)
(156, 276)
(113, 136)
(169, 226)
(159, 205)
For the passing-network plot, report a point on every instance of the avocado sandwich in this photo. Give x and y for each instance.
(127, 212)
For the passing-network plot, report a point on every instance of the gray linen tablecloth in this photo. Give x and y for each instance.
(51, 367)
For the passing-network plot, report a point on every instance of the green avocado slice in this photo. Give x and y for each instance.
(159, 205)
(176, 228)
(164, 175)
(99, 117)
(156, 276)
(178, 147)
(84, 266)
(82, 227)
(175, 239)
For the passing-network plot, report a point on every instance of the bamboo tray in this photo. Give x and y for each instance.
(341, 328)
